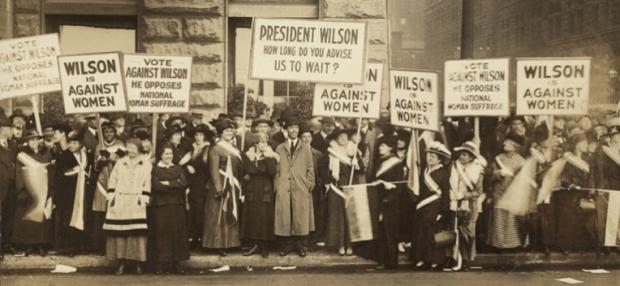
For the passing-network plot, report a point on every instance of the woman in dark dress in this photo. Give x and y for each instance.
(574, 228)
(35, 159)
(166, 212)
(432, 209)
(260, 162)
(198, 175)
(387, 202)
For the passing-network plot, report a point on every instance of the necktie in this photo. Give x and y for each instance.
(292, 148)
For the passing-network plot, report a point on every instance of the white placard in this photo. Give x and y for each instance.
(157, 84)
(351, 100)
(553, 86)
(28, 66)
(414, 99)
(92, 83)
(476, 87)
(308, 50)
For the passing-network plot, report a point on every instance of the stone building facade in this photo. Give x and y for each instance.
(199, 28)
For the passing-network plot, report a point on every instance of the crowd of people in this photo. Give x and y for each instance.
(280, 184)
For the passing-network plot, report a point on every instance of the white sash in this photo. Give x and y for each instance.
(335, 158)
(577, 162)
(387, 165)
(427, 201)
(230, 148)
(611, 155)
(77, 216)
(502, 166)
(429, 182)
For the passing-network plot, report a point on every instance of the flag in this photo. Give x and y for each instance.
(551, 180)
(516, 199)
(358, 212)
(413, 165)
(612, 221)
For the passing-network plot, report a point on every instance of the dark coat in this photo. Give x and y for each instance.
(319, 143)
(7, 168)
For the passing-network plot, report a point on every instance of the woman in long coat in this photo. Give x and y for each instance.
(166, 212)
(432, 209)
(465, 189)
(29, 233)
(260, 162)
(221, 222)
(579, 232)
(340, 166)
(198, 177)
(505, 228)
(129, 191)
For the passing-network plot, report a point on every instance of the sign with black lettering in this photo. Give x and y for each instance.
(414, 99)
(553, 86)
(92, 83)
(157, 84)
(351, 100)
(476, 87)
(28, 66)
(307, 50)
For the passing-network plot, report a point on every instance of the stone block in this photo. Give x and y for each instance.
(212, 99)
(354, 8)
(213, 7)
(27, 25)
(209, 53)
(159, 27)
(208, 73)
(33, 6)
(203, 29)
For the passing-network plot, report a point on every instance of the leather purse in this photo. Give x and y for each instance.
(444, 238)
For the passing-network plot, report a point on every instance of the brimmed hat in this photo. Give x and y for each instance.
(291, 120)
(174, 118)
(390, 141)
(62, 127)
(305, 129)
(470, 147)
(327, 120)
(90, 116)
(614, 129)
(30, 134)
(541, 132)
(107, 125)
(338, 131)
(223, 124)
(202, 128)
(5, 122)
(512, 118)
(258, 121)
(171, 131)
(439, 149)
(74, 135)
(142, 135)
(514, 137)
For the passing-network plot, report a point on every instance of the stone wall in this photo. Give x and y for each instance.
(27, 18)
(374, 12)
(195, 28)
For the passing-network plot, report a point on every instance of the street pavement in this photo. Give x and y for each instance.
(338, 277)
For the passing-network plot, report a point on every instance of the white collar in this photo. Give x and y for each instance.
(161, 164)
(92, 130)
(323, 134)
(294, 141)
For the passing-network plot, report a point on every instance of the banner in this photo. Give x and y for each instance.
(553, 86)
(307, 50)
(157, 84)
(476, 87)
(414, 99)
(28, 66)
(92, 83)
(351, 100)
(357, 208)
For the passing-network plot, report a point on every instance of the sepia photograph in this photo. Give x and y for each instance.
(309, 142)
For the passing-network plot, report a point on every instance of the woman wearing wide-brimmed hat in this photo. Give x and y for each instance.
(221, 216)
(198, 175)
(432, 209)
(465, 190)
(35, 160)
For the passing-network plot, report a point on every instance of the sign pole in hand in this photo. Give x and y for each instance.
(99, 131)
(154, 126)
(245, 94)
(477, 131)
(359, 135)
(35, 112)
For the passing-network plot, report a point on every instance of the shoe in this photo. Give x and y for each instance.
(120, 270)
(263, 251)
(159, 269)
(42, 251)
(547, 251)
(178, 269)
(301, 252)
(341, 251)
(349, 251)
(222, 253)
(139, 270)
(254, 250)
(284, 252)
(380, 267)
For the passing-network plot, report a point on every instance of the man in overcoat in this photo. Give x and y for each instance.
(8, 196)
(294, 181)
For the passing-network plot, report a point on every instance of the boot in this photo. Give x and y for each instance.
(159, 268)
(139, 270)
(177, 268)
(263, 250)
(121, 269)
(252, 251)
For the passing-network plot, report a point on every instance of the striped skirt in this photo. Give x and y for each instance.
(504, 230)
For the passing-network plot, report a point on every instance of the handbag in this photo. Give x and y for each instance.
(587, 205)
(444, 238)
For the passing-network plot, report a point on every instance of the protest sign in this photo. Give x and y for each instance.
(346, 100)
(306, 50)
(92, 83)
(157, 84)
(476, 87)
(28, 66)
(414, 99)
(553, 86)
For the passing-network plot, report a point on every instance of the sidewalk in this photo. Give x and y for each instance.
(319, 259)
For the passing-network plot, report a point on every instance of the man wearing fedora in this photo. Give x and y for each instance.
(8, 156)
(294, 181)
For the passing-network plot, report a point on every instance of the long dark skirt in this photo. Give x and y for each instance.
(425, 226)
(26, 232)
(571, 225)
(337, 229)
(258, 220)
(67, 238)
(168, 233)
